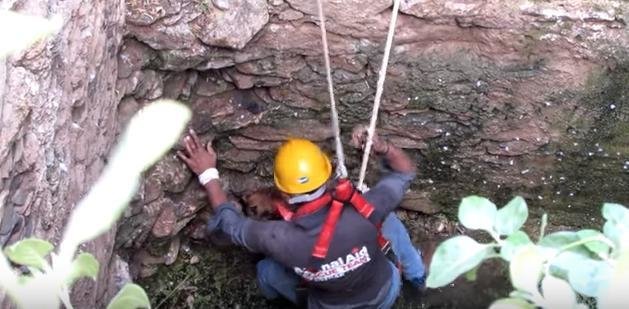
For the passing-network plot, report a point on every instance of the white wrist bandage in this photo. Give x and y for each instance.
(208, 175)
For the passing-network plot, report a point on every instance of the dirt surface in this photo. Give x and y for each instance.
(209, 276)
(491, 283)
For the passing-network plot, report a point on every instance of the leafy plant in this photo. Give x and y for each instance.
(43, 284)
(548, 273)
(149, 135)
(31, 29)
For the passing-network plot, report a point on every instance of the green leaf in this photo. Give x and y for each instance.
(526, 269)
(617, 233)
(472, 274)
(24, 279)
(514, 242)
(454, 257)
(511, 303)
(615, 295)
(29, 252)
(477, 213)
(558, 293)
(616, 213)
(519, 294)
(559, 239)
(150, 134)
(598, 246)
(590, 277)
(511, 217)
(562, 262)
(31, 29)
(85, 265)
(617, 226)
(131, 296)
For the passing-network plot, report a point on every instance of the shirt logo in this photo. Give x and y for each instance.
(337, 268)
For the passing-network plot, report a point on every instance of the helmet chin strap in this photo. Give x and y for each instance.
(304, 198)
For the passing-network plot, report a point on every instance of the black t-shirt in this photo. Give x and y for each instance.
(355, 272)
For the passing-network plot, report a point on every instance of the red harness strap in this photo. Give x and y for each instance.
(344, 193)
(284, 212)
(322, 245)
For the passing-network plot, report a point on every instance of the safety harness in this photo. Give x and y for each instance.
(344, 194)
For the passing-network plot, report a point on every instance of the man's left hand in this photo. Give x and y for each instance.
(359, 139)
(197, 157)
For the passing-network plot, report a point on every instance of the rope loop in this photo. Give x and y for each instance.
(376, 105)
(341, 169)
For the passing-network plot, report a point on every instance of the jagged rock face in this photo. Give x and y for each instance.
(190, 24)
(482, 93)
(57, 124)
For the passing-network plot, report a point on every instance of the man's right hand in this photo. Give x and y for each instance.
(197, 157)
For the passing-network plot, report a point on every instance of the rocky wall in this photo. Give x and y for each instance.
(490, 97)
(57, 124)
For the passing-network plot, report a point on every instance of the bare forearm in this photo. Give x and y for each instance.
(215, 192)
(399, 160)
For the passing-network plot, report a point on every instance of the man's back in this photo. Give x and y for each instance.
(362, 282)
(354, 271)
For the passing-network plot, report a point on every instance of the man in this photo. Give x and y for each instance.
(335, 251)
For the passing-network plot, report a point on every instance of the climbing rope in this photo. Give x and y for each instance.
(379, 89)
(341, 169)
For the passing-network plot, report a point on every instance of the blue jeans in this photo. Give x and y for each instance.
(408, 256)
(276, 280)
(394, 291)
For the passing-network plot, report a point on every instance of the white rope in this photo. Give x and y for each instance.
(341, 169)
(380, 87)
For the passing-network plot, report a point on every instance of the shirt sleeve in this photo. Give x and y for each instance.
(387, 194)
(257, 236)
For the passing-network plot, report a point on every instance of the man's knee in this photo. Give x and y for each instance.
(264, 269)
(264, 273)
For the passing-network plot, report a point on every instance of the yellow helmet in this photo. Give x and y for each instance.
(300, 166)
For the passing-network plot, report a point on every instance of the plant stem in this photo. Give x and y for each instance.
(542, 229)
(496, 237)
